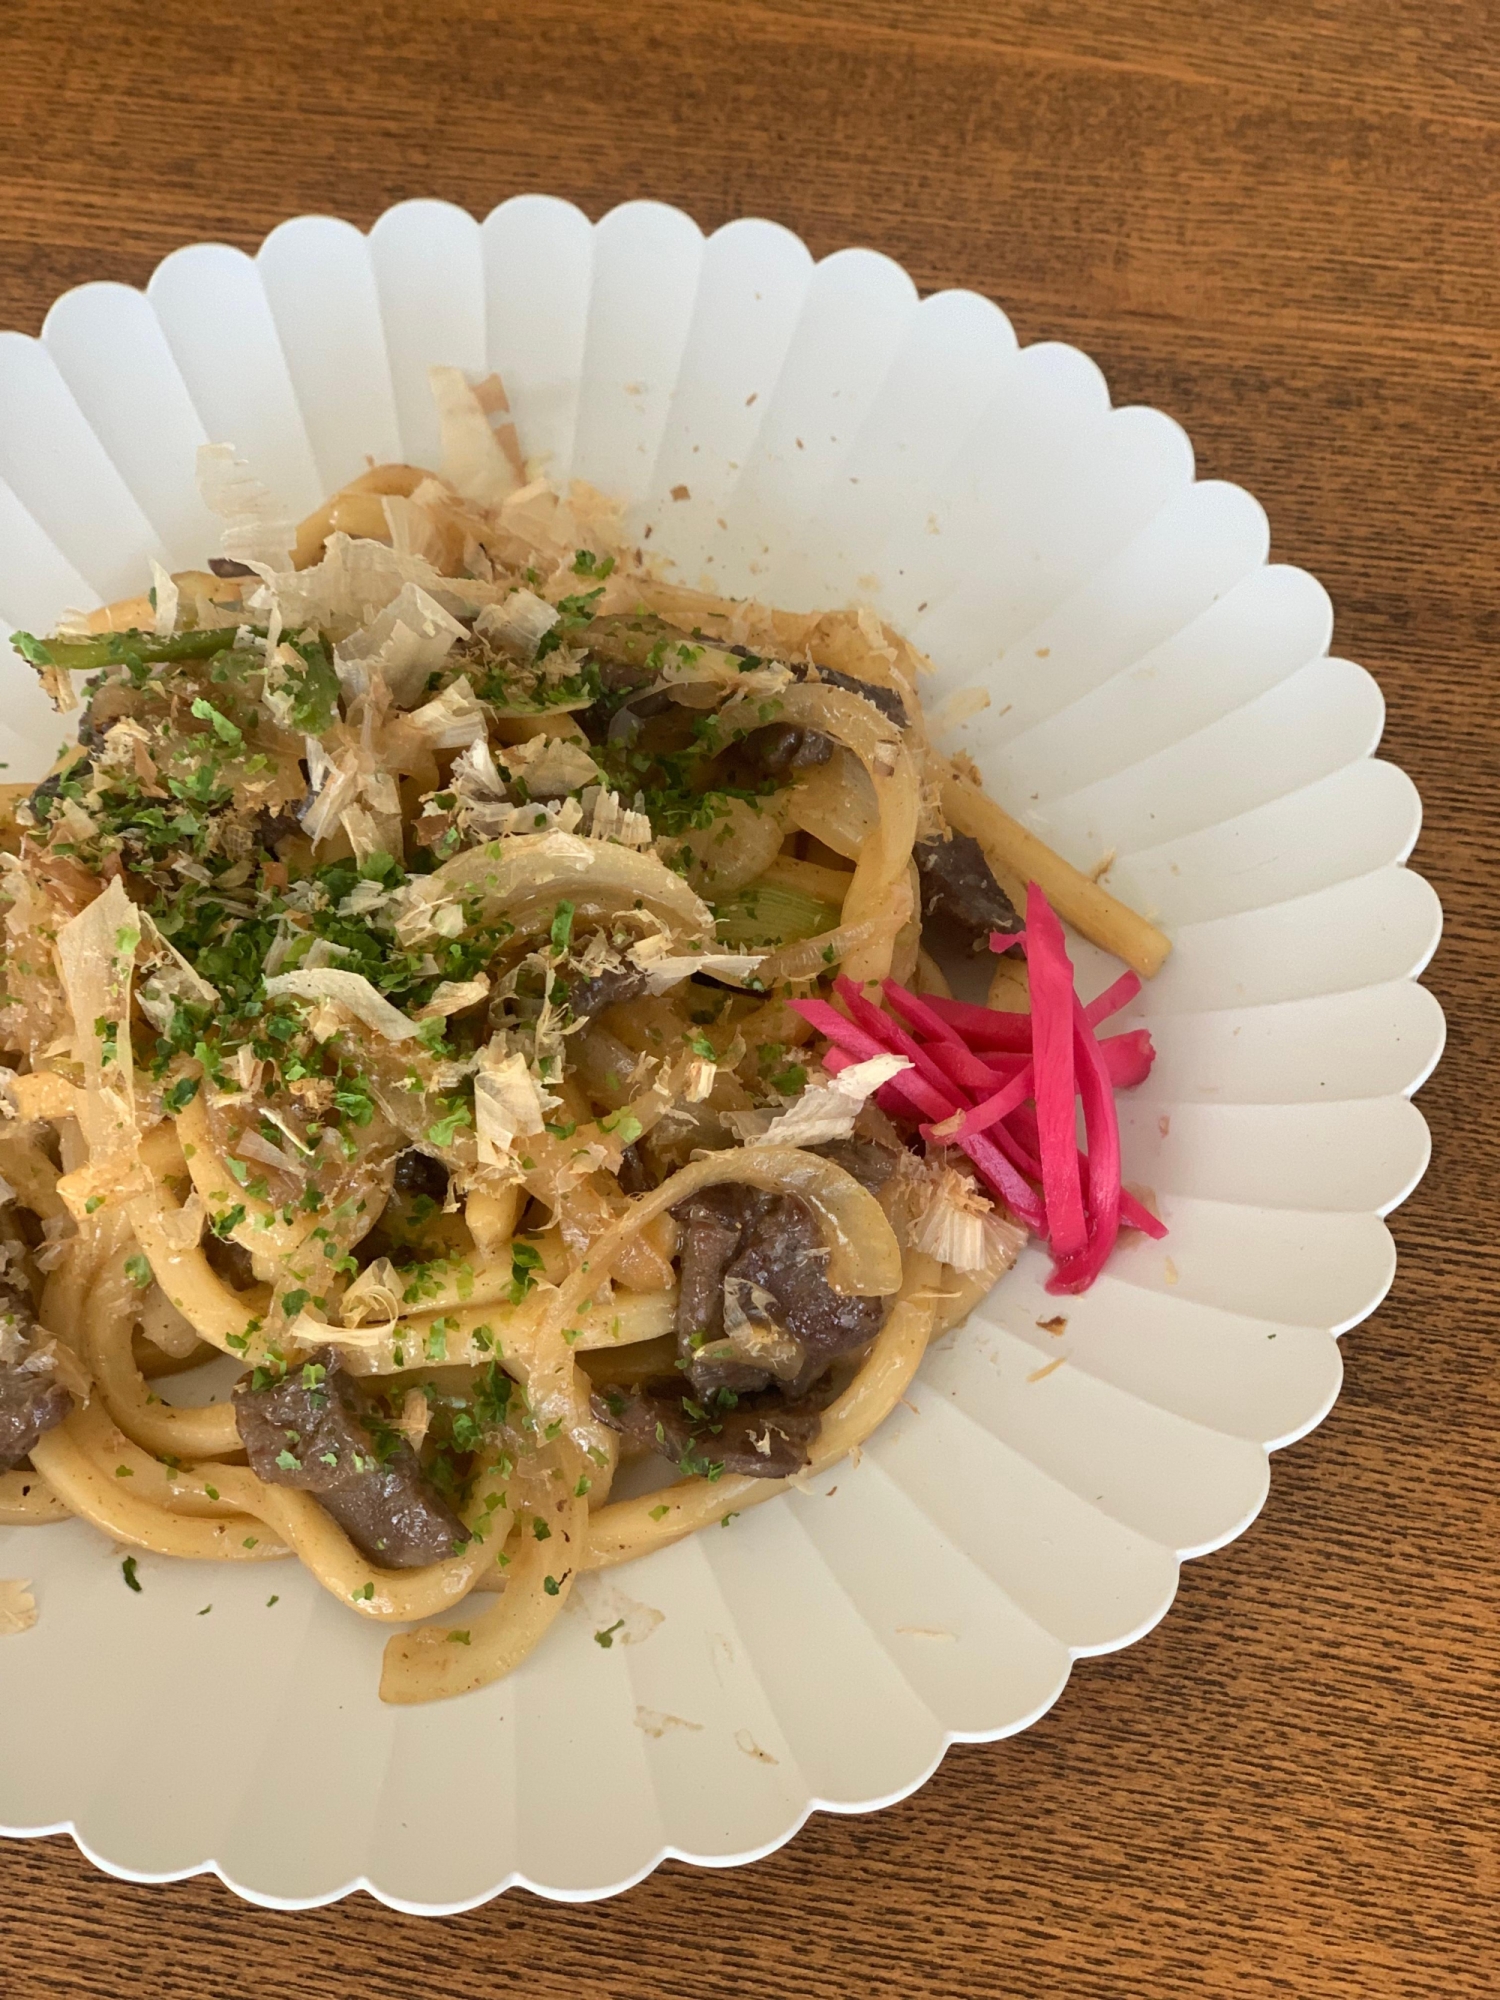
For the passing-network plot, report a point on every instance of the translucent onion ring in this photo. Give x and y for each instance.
(530, 866)
(878, 893)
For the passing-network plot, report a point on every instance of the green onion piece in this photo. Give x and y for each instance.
(116, 649)
(769, 913)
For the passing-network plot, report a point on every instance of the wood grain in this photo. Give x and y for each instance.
(1279, 223)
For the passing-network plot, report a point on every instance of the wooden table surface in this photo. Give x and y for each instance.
(1278, 222)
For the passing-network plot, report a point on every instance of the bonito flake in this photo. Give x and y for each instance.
(520, 621)
(403, 643)
(481, 455)
(611, 820)
(509, 1103)
(453, 719)
(355, 580)
(826, 1109)
(258, 529)
(550, 766)
(947, 1216)
(349, 990)
(17, 1606)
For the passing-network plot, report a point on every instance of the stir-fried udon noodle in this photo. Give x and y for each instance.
(407, 994)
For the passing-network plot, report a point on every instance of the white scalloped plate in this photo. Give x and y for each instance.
(1158, 691)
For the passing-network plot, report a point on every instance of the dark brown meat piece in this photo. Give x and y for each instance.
(709, 1243)
(767, 1252)
(959, 890)
(778, 747)
(587, 997)
(32, 1400)
(626, 652)
(418, 1173)
(625, 725)
(273, 826)
(762, 1437)
(890, 704)
(313, 1430)
(227, 566)
(634, 1174)
(229, 1261)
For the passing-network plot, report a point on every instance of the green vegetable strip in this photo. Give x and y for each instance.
(771, 913)
(115, 649)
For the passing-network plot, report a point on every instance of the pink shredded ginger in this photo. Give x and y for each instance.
(1005, 1089)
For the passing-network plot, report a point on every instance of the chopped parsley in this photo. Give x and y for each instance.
(525, 1262)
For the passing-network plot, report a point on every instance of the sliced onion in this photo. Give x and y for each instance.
(736, 847)
(835, 803)
(879, 892)
(506, 875)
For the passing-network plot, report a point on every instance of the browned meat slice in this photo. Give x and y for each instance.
(32, 1399)
(313, 1430)
(227, 566)
(959, 890)
(780, 747)
(761, 1437)
(229, 1261)
(711, 1231)
(629, 652)
(754, 1304)
(587, 997)
(273, 826)
(418, 1173)
(782, 1254)
(630, 649)
(635, 1175)
(628, 720)
(890, 704)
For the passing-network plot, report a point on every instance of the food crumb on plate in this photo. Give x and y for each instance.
(654, 1723)
(743, 1740)
(17, 1606)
